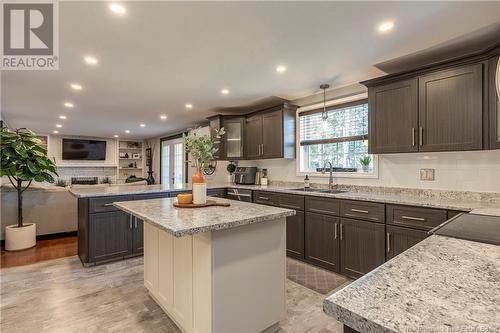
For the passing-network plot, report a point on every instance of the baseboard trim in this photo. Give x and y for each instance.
(50, 236)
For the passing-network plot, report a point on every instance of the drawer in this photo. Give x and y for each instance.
(291, 201)
(320, 205)
(415, 217)
(266, 198)
(105, 204)
(362, 210)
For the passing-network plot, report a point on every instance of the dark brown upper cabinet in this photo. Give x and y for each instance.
(271, 133)
(231, 145)
(494, 101)
(268, 133)
(450, 109)
(447, 106)
(393, 117)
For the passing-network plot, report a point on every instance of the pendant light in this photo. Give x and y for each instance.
(324, 114)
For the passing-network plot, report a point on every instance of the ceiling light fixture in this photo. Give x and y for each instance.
(58, 125)
(142, 125)
(127, 131)
(69, 105)
(324, 114)
(90, 60)
(117, 9)
(62, 117)
(55, 131)
(189, 106)
(281, 69)
(163, 117)
(224, 91)
(115, 136)
(76, 86)
(386, 26)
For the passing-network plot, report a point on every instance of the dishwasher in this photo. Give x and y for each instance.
(239, 194)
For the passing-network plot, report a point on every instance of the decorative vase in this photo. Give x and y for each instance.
(198, 177)
(365, 168)
(199, 188)
(20, 238)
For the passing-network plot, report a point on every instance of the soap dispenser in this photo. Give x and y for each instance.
(306, 182)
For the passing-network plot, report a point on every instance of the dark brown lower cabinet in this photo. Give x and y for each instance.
(362, 246)
(110, 235)
(138, 236)
(400, 239)
(322, 241)
(295, 236)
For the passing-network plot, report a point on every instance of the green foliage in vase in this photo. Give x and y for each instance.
(24, 159)
(201, 147)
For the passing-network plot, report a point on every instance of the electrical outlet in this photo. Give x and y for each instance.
(427, 174)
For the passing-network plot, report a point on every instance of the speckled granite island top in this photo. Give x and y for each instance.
(189, 221)
(440, 285)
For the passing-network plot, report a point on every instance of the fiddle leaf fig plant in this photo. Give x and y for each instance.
(24, 159)
(202, 148)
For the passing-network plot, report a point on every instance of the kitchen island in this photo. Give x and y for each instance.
(442, 284)
(215, 269)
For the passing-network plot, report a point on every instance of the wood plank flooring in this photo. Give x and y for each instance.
(46, 249)
(62, 296)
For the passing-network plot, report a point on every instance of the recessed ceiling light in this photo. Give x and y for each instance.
(76, 86)
(142, 125)
(224, 91)
(163, 117)
(62, 117)
(115, 135)
(68, 105)
(281, 69)
(189, 106)
(127, 131)
(55, 132)
(386, 26)
(90, 60)
(58, 125)
(117, 9)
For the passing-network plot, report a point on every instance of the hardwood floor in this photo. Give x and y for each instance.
(44, 250)
(62, 296)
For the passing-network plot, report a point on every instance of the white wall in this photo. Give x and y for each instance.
(461, 171)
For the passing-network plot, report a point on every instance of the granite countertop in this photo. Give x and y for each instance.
(189, 221)
(439, 199)
(440, 285)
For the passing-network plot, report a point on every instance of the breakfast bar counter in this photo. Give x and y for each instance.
(215, 269)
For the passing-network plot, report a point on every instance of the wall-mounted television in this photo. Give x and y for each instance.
(77, 149)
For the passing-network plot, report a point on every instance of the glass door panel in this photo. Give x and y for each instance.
(172, 162)
(233, 139)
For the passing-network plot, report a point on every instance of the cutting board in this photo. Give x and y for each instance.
(209, 203)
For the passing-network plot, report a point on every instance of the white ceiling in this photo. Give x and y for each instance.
(162, 55)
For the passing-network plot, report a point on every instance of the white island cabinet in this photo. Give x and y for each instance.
(215, 269)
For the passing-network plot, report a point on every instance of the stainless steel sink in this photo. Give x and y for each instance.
(317, 190)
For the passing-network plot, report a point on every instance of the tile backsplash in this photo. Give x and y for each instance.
(477, 171)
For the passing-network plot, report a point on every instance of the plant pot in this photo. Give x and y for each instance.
(20, 238)
(365, 168)
(198, 177)
(200, 193)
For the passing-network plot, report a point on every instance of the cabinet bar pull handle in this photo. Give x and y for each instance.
(314, 210)
(413, 136)
(336, 226)
(130, 222)
(359, 211)
(263, 198)
(421, 137)
(290, 206)
(135, 223)
(108, 204)
(341, 231)
(413, 218)
(262, 149)
(388, 242)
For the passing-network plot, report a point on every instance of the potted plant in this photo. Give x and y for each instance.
(202, 149)
(23, 159)
(365, 162)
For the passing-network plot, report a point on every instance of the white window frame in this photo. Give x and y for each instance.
(353, 98)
